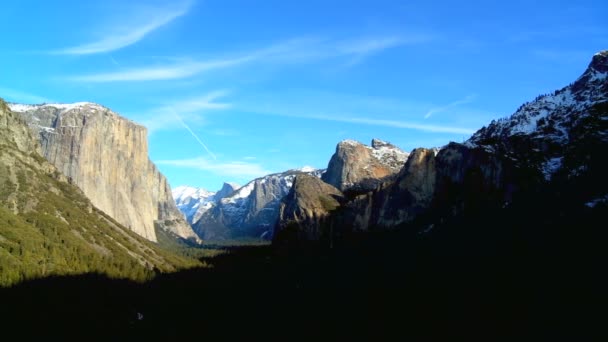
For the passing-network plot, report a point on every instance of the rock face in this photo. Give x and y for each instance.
(304, 211)
(361, 168)
(250, 211)
(194, 202)
(106, 156)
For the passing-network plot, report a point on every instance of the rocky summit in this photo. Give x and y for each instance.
(106, 156)
(358, 167)
(306, 207)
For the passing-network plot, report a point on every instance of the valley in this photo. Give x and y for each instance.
(185, 211)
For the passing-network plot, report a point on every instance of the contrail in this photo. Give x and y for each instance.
(466, 100)
(114, 61)
(193, 134)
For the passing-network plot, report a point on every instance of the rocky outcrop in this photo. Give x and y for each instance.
(106, 156)
(304, 211)
(355, 166)
(392, 203)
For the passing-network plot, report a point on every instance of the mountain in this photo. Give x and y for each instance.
(106, 156)
(194, 202)
(49, 227)
(552, 123)
(549, 155)
(359, 167)
(250, 211)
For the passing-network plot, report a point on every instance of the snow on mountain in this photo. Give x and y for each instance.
(250, 210)
(189, 200)
(548, 120)
(194, 202)
(17, 107)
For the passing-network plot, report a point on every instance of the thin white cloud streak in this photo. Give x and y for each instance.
(230, 168)
(380, 122)
(194, 135)
(287, 52)
(394, 124)
(13, 95)
(338, 107)
(466, 100)
(129, 35)
(170, 72)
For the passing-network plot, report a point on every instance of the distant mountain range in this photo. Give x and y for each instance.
(243, 212)
(252, 210)
(551, 140)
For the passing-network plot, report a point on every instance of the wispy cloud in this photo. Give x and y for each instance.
(114, 39)
(352, 109)
(466, 100)
(13, 95)
(230, 168)
(393, 124)
(156, 73)
(301, 50)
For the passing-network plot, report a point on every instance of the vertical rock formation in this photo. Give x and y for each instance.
(304, 211)
(358, 167)
(106, 156)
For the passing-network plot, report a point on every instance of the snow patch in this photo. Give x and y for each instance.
(551, 166)
(350, 142)
(593, 203)
(241, 193)
(17, 107)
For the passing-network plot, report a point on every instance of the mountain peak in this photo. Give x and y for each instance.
(599, 62)
(377, 144)
(357, 165)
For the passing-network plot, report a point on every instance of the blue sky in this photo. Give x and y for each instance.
(231, 90)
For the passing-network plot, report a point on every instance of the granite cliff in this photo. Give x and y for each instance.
(48, 227)
(304, 211)
(106, 156)
(358, 167)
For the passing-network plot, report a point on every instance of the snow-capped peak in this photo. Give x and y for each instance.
(551, 114)
(184, 192)
(549, 119)
(17, 107)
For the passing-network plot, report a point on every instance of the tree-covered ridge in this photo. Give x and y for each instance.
(48, 227)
